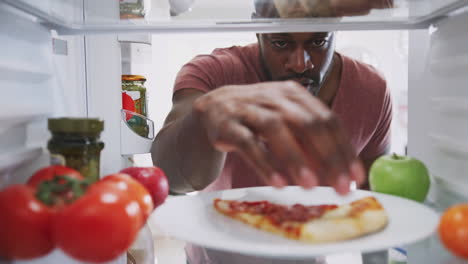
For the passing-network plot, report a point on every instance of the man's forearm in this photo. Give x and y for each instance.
(183, 151)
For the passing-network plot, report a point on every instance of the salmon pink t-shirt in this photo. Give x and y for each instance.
(362, 103)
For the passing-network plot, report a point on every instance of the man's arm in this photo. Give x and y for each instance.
(325, 8)
(182, 149)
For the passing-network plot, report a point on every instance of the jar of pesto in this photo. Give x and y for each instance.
(75, 143)
(134, 86)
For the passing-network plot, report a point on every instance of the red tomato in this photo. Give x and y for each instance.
(154, 179)
(24, 224)
(453, 230)
(134, 188)
(48, 173)
(99, 226)
(128, 104)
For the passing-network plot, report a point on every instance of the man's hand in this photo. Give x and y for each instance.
(323, 8)
(286, 134)
(357, 7)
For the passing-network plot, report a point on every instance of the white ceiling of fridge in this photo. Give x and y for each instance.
(225, 15)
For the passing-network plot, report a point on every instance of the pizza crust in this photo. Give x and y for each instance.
(343, 228)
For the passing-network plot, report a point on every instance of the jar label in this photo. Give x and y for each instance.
(57, 159)
(139, 102)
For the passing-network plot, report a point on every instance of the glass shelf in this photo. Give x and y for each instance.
(167, 16)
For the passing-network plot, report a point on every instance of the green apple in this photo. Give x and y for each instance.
(401, 176)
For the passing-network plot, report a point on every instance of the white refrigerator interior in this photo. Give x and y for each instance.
(438, 100)
(65, 58)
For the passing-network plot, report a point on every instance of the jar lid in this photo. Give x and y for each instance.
(133, 78)
(88, 126)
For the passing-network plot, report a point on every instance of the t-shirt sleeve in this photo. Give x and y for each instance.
(204, 73)
(380, 140)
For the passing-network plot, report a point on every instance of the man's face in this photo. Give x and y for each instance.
(302, 57)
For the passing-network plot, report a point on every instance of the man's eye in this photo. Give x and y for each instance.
(318, 43)
(279, 44)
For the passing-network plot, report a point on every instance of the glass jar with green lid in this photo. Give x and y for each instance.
(134, 86)
(75, 143)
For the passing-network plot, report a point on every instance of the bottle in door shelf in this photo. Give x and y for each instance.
(131, 9)
(134, 99)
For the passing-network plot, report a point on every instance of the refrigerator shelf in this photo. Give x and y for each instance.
(9, 72)
(450, 105)
(224, 16)
(19, 116)
(450, 145)
(34, 76)
(12, 160)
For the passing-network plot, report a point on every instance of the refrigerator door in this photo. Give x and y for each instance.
(438, 110)
(162, 16)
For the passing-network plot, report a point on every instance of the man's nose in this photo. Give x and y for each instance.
(299, 61)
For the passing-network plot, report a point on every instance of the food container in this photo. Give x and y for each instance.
(75, 143)
(134, 86)
(131, 9)
(134, 99)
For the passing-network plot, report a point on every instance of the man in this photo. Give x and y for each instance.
(286, 110)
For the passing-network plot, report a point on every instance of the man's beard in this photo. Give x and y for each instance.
(313, 85)
(314, 88)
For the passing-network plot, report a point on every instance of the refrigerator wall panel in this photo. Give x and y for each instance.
(35, 83)
(438, 97)
(437, 121)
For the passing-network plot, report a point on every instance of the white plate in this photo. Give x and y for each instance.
(193, 219)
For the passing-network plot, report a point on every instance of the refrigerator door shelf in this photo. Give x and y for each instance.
(227, 16)
(136, 132)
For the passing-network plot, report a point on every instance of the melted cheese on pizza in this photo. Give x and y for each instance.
(313, 223)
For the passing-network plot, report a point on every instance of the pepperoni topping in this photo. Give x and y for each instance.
(281, 213)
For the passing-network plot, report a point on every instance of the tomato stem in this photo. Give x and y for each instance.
(61, 189)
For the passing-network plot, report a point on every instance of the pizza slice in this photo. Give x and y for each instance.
(309, 223)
